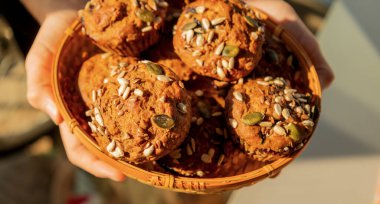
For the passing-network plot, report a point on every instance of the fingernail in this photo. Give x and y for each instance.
(52, 111)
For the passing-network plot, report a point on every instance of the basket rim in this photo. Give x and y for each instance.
(212, 183)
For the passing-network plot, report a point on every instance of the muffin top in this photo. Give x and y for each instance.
(122, 20)
(201, 153)
(219, 40)
(97, 70)
(269, 118)
(142, 113)
(163, 53)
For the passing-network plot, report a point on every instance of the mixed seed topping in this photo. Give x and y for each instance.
(147, 12)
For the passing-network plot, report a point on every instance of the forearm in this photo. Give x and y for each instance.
(42, 8)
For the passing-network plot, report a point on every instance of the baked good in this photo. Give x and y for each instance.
(268, 118)
(141, 114)
(163, 53)
(97, 70)
(124, 27)
(201, 153)
(219, 40)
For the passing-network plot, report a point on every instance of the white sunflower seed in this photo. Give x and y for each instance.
(98, 117)
(138, 92)
(122, 81)
(268, 78)
(211, 152)
(290, 91)
(218, 21)
(92, 127)
(220, 160)
(254, 35)
(210, 36)
(200, 40)
(263, 83)
(288, 97)
(220, 73)
(299, 110)
(163, 4)
(148, 151)
(308, 123)
(192, 141)
(189, 35)
(111, 146)
(241, 81)
(197, 53)
(126, 93)
(200, 9)
(277, 109)
(200, 173)
(164, 78)
(278, 82)
(302, 100)
(238, 96)
(117, 153)
(206, 24)
(219, 49)
(199, 62)
(233, 123)
(199, 93)
(216, 114)
(231, 63)
(279, 130)
(225, 64)
(285, 113)
(146, 29)
(279, 99)
(188, 150)
(93, 96)
(122, 89)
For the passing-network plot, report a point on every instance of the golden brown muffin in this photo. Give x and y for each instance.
(97, 70)
(201, 153)
(142, 113)
(268, 118)
(219, 40)
(163, 53)
(124, 27)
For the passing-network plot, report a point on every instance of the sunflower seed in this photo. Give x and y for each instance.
(200, 9)
(182, 108)
(286, 149)
(308, 123)
(299, 110)
(211, 152)
(220, 73)
(279, 130)
(210, 36)
(93, 96)
(188, 150)
(290, 91)
(225, 64)
(206, 24)
(254, 35)
(285, 113)
(307, 108)
(146, 29)
(216, 114)
(163, 4)
(199, 62)
(241, 81)
(219, 131)
(163, 121)
(302, 100)
(122, 74)
(199, 93)
(219, 49)
(263, 83)
(164, 78)
(192, 141)
(200, 121)
(200, 173)
(122, 81)
(268, 78)
(89, 113)
(220, 160)
(278, 82)
(111, 146)
(279, 99)
(238, 96)
(148, 151)
(138, 92)
(126, 136)
(206, 158)
(189, 26)
(265, 124)
(218, 21)
(189, 36)
(252, 118)
(200, 40)
(122, 89)
(180, 84)
(117, 153)
(92, 127)
(98, 117)
(197, 53)
(233, 123)
(126, 93)
(277, 109)
(288, 97)
(231, 63)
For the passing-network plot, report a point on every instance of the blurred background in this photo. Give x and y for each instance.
(341, 164)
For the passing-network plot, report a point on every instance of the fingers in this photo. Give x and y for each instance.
(284, 14)
(81, 157)
(39, 63)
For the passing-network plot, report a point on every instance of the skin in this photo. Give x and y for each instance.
(56, 16)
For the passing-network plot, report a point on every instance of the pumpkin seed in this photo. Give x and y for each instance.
(163, 121)
(252, 118)
(189, 26)
(294, 132)
(154, 69)
(145, 15)
(230, 51)
(204, 109)
(252, 22)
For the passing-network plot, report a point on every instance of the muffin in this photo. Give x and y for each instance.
(141, 114)
(163, 53)
(96, 71)
(219, 40)
(268, 118)
(124, 27)
(201, 153)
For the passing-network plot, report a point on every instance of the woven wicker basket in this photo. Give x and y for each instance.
(76, 48)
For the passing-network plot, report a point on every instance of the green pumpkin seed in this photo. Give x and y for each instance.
(189, 26)
(295, 133)
(252, 118)
(272, 56)
(145, 15)
(230, 51)
(154, 69)
(252, 22)
(163, 121)
(204, 109)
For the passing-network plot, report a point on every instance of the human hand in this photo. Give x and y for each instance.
(39, 64)
(282, 13)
